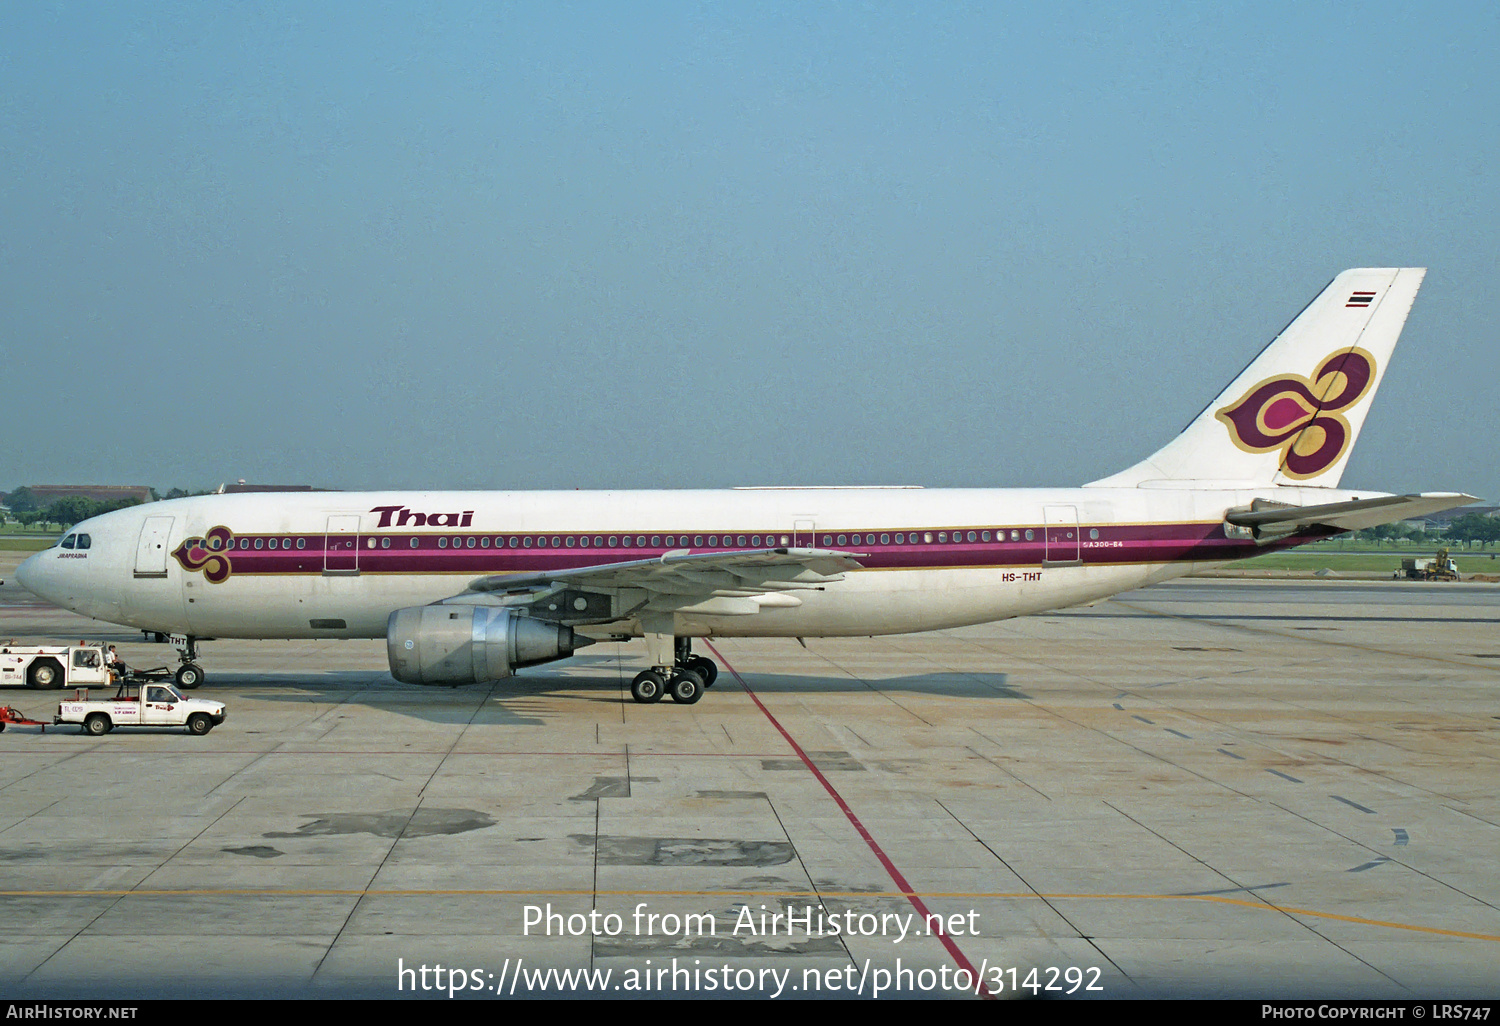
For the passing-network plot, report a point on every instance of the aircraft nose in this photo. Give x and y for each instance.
(31, 574)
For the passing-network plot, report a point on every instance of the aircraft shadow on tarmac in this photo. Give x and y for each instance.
(604, 682)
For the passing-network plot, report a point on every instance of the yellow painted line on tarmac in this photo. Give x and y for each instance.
(863, 896)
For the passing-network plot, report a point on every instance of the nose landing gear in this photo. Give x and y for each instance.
(189, 675)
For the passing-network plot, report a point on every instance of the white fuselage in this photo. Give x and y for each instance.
(337, 564)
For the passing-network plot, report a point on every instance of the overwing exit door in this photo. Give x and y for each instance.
(341, 545)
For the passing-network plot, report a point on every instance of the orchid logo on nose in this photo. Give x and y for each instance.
(207, 554)
(1301, 416)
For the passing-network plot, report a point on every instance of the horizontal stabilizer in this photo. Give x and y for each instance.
(1354, 515)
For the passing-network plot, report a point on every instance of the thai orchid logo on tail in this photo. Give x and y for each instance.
(1301, 416)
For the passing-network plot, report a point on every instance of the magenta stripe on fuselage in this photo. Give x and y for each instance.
(1115, 544)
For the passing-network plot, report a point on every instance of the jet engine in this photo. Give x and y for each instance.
(460, 644)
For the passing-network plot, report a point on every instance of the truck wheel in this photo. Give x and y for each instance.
(189, 676)
(200, 724)
(97, 724)
(45, 675)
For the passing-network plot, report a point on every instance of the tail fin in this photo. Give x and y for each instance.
(1292, 416)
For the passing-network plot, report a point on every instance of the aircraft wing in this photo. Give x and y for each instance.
(724, 583)
(1354, 515)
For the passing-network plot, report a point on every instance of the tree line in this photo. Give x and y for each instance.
(26, 510)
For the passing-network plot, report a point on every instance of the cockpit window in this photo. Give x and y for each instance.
(67, 542)
(84, 541)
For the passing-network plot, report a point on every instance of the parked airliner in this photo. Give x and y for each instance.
(470, 586)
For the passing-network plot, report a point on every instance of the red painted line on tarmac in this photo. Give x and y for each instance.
(890, 867)
(343, 753)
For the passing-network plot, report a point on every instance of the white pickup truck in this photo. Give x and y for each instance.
(141, 705)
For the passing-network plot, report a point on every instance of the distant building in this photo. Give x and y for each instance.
(240, 487)
(46, 495)
(1440, 521)
(1447, 516)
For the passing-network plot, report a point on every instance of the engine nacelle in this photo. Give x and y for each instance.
(459, 644)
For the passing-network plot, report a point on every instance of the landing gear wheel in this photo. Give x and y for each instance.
(686, 687)
(647, 687)
(189, 676)
(705, 668)
(200, 724)
(96, 725)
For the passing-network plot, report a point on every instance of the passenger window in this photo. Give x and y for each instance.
(260, 543)
(526, 542)
(569, 542)
(416, 542)
(484, 542)
(1030, 535)
(442, 543)
(1094, 534)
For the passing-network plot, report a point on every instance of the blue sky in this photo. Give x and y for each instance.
(682, 245)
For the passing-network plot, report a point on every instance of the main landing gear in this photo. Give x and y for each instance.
(684, 680)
